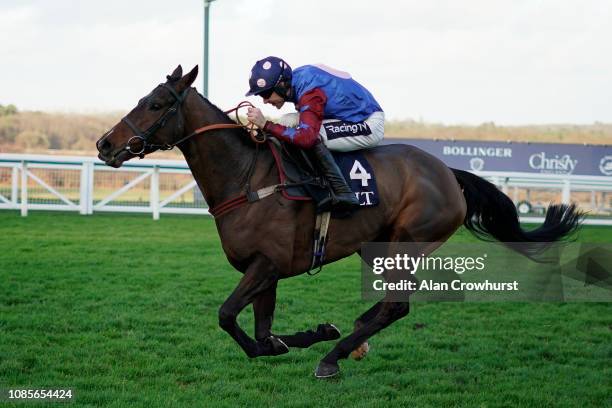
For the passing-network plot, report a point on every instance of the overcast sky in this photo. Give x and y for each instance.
(511, 62)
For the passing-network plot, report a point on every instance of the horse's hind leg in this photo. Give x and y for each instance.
(380, 316)
(263, 309)
(389, 312)
(361, 351)
(435, 229)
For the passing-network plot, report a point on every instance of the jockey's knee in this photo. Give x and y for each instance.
(377, 137)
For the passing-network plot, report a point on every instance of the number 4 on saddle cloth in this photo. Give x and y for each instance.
(304, 182)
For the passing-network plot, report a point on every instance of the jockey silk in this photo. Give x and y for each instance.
(346, 98)
(332, 108)
(345, 137)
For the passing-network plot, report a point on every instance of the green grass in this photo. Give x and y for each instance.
(123, 310)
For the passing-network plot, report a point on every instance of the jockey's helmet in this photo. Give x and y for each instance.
(268, 75)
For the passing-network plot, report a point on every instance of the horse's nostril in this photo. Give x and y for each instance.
(104, 146)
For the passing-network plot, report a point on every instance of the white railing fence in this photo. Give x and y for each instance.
(85, 184)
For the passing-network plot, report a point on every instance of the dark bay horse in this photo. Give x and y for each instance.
(421, 200)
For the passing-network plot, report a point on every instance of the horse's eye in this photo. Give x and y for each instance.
(155, 106)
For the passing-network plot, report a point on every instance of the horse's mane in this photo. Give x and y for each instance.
(215, 108)
(243, 136)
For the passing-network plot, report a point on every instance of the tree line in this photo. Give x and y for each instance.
(37, 132)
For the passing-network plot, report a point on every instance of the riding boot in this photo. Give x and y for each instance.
(342, 196)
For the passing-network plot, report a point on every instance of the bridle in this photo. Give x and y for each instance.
(144, 137)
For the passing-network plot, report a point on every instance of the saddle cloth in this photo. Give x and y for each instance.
(305, 183)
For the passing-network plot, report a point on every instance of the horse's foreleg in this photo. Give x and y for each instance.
(324, 332)
(263, 309)
(259, 277)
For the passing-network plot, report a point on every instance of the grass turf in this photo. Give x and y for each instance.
(123, 310)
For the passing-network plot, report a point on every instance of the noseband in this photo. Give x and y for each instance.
(144, 137)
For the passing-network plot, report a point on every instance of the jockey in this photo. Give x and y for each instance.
(334, 111)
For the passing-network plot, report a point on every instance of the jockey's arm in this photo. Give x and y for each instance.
(306, 134)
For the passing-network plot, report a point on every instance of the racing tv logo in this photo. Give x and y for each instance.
(338, 129)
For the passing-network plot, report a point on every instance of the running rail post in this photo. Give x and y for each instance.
(90, 187)
(566, 192)
(154, 199)
(24, 189)
(83, 201)
(15, 187)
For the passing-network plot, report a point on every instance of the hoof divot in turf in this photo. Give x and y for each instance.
(360, 352)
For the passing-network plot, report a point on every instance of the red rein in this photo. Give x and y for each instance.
(235, 202)
(249, 127)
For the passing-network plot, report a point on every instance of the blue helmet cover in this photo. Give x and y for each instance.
(266, 74)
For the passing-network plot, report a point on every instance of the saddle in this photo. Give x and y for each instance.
(302, 181)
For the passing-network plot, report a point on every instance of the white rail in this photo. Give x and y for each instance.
(93, 196)
(27, 183)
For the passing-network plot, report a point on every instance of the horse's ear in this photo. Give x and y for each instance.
(188, 79)
(176, 74)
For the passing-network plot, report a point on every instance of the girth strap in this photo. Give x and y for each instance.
(242, 199)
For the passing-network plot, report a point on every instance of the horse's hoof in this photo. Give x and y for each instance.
(361, 351)
(328, 331)
(326, 370)
(275, 346)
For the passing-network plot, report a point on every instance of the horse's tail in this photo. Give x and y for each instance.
(492, 215)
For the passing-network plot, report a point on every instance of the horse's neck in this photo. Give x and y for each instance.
(219, 159)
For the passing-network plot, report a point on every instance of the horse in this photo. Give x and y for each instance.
(421, 201)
